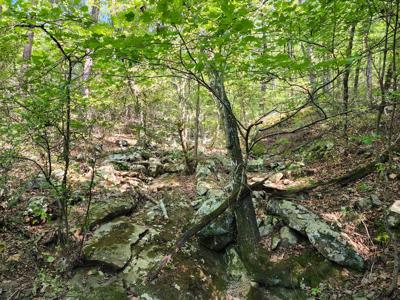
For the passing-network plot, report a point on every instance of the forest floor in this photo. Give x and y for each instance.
(32, 267)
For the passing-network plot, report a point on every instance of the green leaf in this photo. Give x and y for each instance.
(130, 16)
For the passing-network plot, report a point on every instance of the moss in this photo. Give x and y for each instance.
(110, 209)
(107, 292)
(119, 234)
(259, 293)
(111, 243)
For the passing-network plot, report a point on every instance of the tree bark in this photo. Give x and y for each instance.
(26, 57)
(94, 13)
(197, 127)
(248, 236)
(382, 83)
(346, 77)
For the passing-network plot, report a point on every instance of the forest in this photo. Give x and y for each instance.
(199, 149)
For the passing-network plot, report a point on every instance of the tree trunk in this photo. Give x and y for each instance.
(247, 230)
(346, 77)
(368, 71)
(26, 56)
(197, 127)
(382, 83)
(94, 13)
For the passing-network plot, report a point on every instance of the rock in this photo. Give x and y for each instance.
(392, 176)
(37, 183)
(258, 195)
(92, 284)
(58, 174)
(215, 194)
(111, 243)
(205, 168)
(155, 167)
(327, 241)
(202, 188)
(394, 214)
(307, 268)
(141, 263)
(276, 293)
(219, 233)
(375, 200)
(122, 143)
(288, 236)
(174, 167)
(127, 157)
(364, 203)
(395, 208)
(255, 165)
(275, 242)
(106, 210)
(276, 177)
(266, 230)
(234, 265)
(138, 168)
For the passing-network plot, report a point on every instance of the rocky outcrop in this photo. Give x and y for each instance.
(111, 243)
(327, 241)
(109, 209)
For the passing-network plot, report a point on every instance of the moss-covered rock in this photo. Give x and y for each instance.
(277, 293)
(92, 284)
(220, 232)
(111, 243)
(106, 210)
(327, 241)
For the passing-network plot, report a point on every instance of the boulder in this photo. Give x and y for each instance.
(91, 284)
(111, 243)
(109, 209)
(327, 241)
(220, 232)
